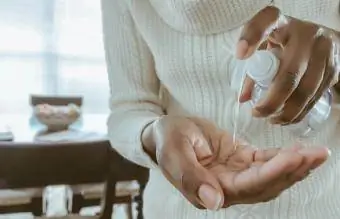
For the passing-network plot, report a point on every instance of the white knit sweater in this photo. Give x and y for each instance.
(183, 49)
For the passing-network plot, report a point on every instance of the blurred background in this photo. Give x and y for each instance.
(51, 47)
(54, 48)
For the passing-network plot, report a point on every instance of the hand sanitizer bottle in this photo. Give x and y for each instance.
(262, 68)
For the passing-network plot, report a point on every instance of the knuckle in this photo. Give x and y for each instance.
(290, 81)
(323, 37)
(323, 45)
(272, 10)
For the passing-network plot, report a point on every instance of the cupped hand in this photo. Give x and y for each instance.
(202, 162)
(309, 63)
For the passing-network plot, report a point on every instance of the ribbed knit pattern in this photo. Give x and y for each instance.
(177, 56)
(206, 16)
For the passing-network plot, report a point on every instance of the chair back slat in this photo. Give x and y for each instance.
(36, 165)
(56, 100)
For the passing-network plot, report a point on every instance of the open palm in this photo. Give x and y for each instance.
(248, 175)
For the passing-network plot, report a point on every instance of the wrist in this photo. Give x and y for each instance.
(148, 140)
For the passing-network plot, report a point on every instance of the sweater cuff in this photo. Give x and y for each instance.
(126, 137)
(141, 157)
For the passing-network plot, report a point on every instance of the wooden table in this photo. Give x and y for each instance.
(58, 162)
(25, 127)
(30, 163)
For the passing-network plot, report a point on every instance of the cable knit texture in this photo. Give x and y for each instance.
(177, 56)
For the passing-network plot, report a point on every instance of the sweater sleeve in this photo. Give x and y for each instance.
(134, 85)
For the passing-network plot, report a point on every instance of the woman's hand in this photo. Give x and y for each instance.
(202, 162)
(309, 63)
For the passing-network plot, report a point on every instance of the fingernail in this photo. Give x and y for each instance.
(210, 197)
(242, 49)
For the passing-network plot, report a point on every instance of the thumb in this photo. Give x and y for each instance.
(202, 188)
(180, 158)
(197, 182)
(258, 28)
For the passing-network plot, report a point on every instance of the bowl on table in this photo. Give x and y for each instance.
(57, 118)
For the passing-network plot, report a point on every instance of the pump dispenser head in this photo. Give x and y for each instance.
(262, 67)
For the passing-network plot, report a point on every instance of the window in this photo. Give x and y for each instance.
(52, 47)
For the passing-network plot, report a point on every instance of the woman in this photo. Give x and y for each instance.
(170, 65)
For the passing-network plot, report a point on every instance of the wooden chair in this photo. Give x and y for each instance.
(31, 199)
(22, 200)
(128, 180)
(123, 170)
(38, 165)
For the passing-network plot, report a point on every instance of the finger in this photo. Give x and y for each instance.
(257, 164)
(264, 45)
(265, 155)
(226, 147)
(311, 104)
(255, 30)
(249, 193)
(210, 133)
(247, 89)
(248, 84)
(197, 182)
(271, 192)
(201, 148)
(258, 178)
(182, 168)
(277, 186)
(309, 83)
(279, 36)
(272, 46)
(327, 79)
(197, 185)
(313, 158)
(293, 62)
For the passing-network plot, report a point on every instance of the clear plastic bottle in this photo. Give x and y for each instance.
(262, 68)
